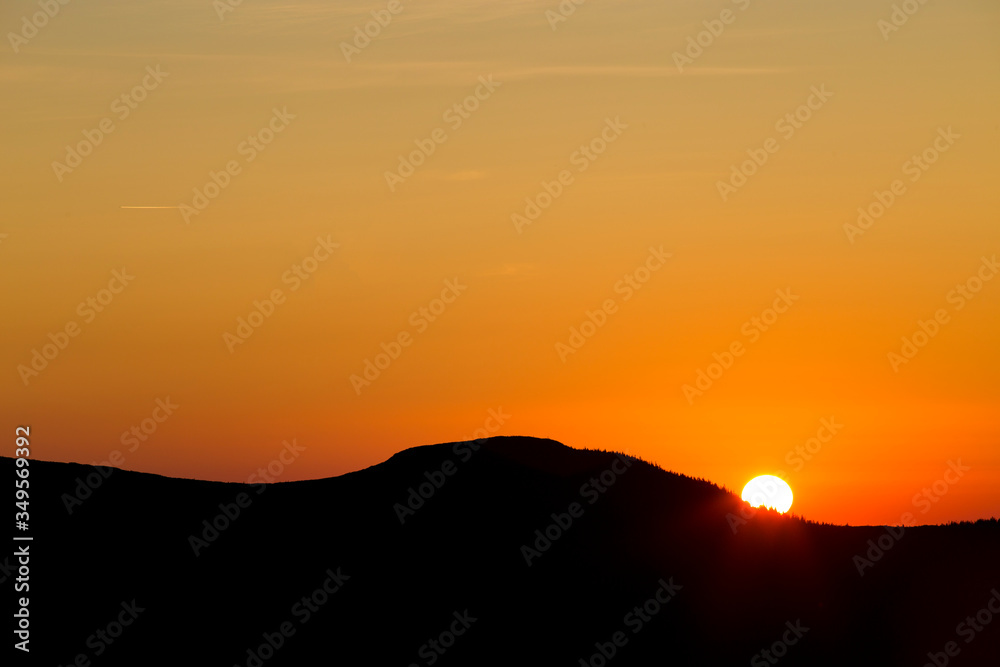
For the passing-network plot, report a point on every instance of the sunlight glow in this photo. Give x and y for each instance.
(769, 491)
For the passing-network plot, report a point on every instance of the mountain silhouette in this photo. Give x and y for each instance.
(502, 551)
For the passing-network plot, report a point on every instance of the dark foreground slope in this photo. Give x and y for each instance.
(650, 560)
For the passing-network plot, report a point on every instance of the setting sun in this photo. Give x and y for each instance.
(345, 324)
(769, 491)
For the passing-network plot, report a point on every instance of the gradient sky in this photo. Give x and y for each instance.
(655, 185)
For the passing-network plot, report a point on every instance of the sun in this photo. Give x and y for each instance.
(769, 491)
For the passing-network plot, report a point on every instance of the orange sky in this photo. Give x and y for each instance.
(592, 121)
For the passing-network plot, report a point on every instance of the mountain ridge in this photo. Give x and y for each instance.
(549, 548)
